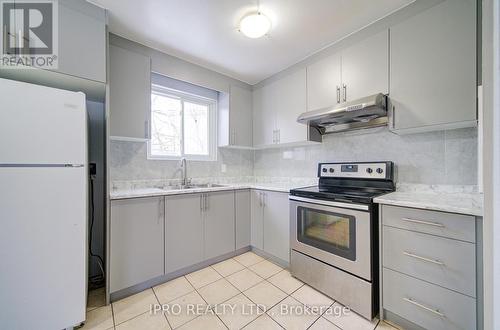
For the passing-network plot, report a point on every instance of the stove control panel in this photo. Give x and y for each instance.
(376, 170)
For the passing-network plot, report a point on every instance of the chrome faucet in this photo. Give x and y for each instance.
(183, 166)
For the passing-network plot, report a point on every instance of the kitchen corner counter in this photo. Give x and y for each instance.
(152, 192)
(469, 203)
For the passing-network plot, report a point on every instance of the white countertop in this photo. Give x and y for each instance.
(125, 193)
(469, 203)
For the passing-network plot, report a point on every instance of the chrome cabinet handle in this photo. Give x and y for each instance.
(421, 222)
(260, 199)
(344, 87)
(146, 129)
(206, 202)
(434, 261)
(160, 209)
(434, 311)
(279, 135)
(201, 202)
(338, 94)
(264, 197)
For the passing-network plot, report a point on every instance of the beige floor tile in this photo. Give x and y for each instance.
(146, 321)
(203, 277)
(312, 298)
(132, 306)
(237, 312)
(263, 322)
(285, 281)
(265, 294)
(348, 320)
(228, 267)
(386, 326)
(99, 319)
(218, 292)
(248, 259)
(265, 269)
(292, 315)
(180, 312)
(96, 298)
(205, 322)
(173, 289)
(323, 324)
(244, 279)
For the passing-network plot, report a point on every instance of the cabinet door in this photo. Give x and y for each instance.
(277, 225)
(137, 241)
(243, 216)
(433, 67)
(323, 79)
(289, 102)
(240, 117)
(219, 223)
(257, 220)
(365, 67)
(130, 94)
(183, 231)
(264, 117)
(82, 43)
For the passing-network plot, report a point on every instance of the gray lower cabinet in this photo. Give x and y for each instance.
(257, 219)
(219, 226)
(242, 201)
(433, 68)
(270, 223)
(129, 94)
(183, 231)
(429, 268)
(136, 239)
(277, 225)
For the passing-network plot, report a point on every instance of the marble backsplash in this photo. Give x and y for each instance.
(436, 158)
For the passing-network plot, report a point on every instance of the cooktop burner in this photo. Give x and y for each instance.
(350, 182)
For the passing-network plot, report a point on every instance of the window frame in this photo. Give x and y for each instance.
(212, 124)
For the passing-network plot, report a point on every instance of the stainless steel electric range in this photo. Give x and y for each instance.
(334, 232)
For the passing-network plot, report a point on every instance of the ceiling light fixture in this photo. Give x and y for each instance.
(255, 25)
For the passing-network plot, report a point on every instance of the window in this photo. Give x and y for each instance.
(182, 125)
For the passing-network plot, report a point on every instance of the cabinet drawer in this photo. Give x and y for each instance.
(450, 225)
(427, 305)
(442, 261)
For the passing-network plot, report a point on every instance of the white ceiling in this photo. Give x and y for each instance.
(205, 32)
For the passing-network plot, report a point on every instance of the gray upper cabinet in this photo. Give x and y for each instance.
(136, 238)
(82, 41)
(235, 118)
(433, 68)
(354, 72)
(324, 83)
(242, 202)
(183, 231)
(219, 223)
(277, 225)
(130, 94)
(257, 219)
(365, 67)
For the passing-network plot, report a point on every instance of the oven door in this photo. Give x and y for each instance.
(333, 234)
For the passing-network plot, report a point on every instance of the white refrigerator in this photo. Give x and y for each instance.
(43, 207)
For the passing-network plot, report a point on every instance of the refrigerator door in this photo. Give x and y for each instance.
(41, 125)
(43, 249)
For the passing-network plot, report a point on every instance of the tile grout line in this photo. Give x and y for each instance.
(157, 299)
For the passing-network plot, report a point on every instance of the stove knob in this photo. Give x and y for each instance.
(332, 170)
(324, 170)
(380, 171)
(369, 170)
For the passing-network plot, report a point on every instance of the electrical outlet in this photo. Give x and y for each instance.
(223, 168)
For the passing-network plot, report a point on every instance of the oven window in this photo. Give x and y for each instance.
(328, 231)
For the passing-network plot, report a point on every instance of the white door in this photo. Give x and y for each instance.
(324, 83)
(43, 247)
(240, 116)
(264, 117)
(365, 67)
(41, 125)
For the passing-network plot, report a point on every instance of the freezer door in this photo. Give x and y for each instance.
(43, 249)
(41, 125)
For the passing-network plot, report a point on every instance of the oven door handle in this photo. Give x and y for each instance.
(329, 203)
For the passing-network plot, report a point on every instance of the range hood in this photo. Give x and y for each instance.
(367, 112)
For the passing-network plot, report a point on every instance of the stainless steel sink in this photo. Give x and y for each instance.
(193, 186)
